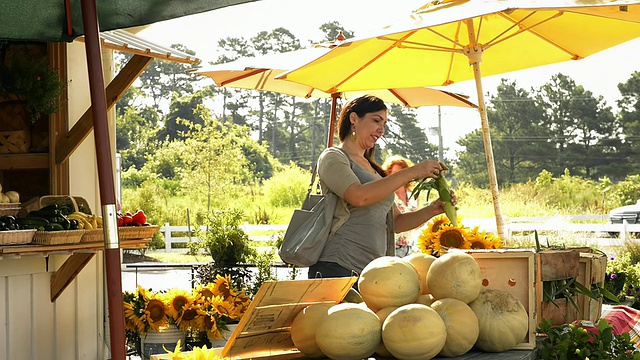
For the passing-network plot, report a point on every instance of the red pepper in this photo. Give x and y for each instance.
(139, 217)
(120, 218)
(127, 218)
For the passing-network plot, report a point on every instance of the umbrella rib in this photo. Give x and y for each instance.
(398, 96)
(529, 29)
(372, 60)
(243, 76)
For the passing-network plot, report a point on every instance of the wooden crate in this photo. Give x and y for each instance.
(513, 270)
(592, 268)
(264, 330)
(585, 267)
(14, 142)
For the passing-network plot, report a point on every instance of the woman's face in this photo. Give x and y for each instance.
(368, 128)
(395, 168)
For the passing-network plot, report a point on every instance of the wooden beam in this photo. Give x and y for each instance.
(68, 272)
(81, 129)
(58, 123)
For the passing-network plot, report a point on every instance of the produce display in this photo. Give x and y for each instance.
(397, 320)
(9, 197)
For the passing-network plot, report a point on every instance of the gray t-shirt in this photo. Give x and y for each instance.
(362, 237)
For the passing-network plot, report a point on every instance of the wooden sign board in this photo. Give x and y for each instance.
(264, 330)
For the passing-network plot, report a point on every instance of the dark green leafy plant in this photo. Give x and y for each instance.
(569, 342)
(39, 84)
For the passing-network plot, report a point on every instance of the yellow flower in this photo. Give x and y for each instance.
(437, 222)
(156, 313)
(191, 318)
(176, 300)
(452, 237)
(223, 288)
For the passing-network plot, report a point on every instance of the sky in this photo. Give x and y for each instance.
(600, 73)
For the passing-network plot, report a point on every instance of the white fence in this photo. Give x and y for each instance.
(170, 238)
(600, 234)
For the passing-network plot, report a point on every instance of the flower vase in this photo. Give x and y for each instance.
(226, 335)
(155, 342)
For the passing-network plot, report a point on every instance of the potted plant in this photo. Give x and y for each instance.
(228, 245)
(35, 82)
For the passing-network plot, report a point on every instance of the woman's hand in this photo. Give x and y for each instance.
(427, 168)
(437, 206)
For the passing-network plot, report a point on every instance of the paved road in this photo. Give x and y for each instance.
(168, 278)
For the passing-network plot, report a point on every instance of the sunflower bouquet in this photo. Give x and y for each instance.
(440, 235)
(205, 309)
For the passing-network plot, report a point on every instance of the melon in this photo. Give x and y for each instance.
(502, 320)
(388, 281)
(349, 331)
(455, 275)
(421, 262)
(303, 329)
(413, 332)
(382, 315)
(461, 323)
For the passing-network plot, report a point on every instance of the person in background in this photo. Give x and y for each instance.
(403, 201)
(359, 229)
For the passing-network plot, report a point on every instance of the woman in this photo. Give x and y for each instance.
(392, 165)
(359, 228)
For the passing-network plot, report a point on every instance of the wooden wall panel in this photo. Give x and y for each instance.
(3, 318)
(43, 319)
(19, 319)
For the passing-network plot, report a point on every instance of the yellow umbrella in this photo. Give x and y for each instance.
(445, 42)
(259, 73)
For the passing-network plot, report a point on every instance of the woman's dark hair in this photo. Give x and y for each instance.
(361, 105)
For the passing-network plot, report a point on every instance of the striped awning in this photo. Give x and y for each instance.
(124, 41)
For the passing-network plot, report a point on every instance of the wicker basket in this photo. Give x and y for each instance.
(136, 232)
(16, 237)
(93, 235)
(14, 142)
(58, 237)
(9, 209)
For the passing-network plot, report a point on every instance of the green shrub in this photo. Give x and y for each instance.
(626, 192)
(288, 187)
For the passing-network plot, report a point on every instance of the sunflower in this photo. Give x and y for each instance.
(191, 318)
(205, 291)
(176, 300)
(156, 312)
(452, 237)
(428, 242)
(223, 288)
(437, 222)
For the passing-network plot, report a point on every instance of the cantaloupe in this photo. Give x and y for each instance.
(502, 320)
(461, 323)
(349, 331)
(422, 262)
(413, 332)
(388, 281)
(455, 275)
(303, 329)
(382, 315)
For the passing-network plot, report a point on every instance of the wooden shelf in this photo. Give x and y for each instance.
(24, 161)
(17, 251)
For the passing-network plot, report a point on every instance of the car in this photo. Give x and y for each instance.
(630, 213)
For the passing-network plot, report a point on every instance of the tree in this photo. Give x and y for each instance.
(630, 124)
(583, 127)
(181, 114)
(519, 140)
(404, 137)
(214, 164)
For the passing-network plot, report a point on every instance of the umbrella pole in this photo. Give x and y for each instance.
(475, 57)
(105, 179)
(488, 152)
(332, 119)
